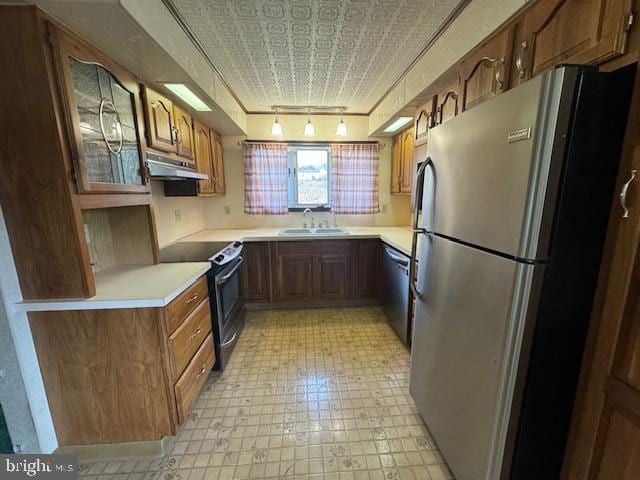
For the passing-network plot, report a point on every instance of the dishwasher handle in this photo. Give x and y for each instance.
(396, 258)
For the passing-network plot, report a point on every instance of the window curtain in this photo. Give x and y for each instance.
(265, 178)
(354, 178)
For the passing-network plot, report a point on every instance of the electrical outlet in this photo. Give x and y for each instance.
(384, 208)
(227, 210)
(178, 215)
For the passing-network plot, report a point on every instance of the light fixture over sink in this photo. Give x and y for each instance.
(276, 128)
(341, 130)
(309, 129)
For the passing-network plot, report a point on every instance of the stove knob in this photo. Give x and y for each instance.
(237, 244)
(219, 258)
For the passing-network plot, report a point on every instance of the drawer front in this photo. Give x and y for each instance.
(185, 341)
(192, 380)
(185, 303)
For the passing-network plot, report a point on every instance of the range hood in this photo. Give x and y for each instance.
(165, 168)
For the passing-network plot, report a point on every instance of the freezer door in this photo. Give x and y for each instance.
(468, 332)
(496, 167)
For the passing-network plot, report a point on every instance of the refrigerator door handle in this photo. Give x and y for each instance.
(417, 231)
(413, 262)
(419, 190)
(623, 194)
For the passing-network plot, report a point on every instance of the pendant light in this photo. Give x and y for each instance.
(341, 131)
(309, 129)
(276, 128)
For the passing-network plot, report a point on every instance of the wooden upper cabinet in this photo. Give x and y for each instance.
(159, 123)
(402, 162)
(184, 133)
(424, 120)
(396, 163)
(406, 178)
(448, 102)
(104, 117)
(217, 161)
(485, 72)
(571, 31)
(203, 156)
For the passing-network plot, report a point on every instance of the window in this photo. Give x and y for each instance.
(309, 177)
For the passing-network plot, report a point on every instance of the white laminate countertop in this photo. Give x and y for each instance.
(129, 286)
(397, 237)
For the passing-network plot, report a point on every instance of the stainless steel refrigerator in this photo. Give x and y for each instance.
(516, 193)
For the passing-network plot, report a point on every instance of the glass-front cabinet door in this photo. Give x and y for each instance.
(103, 109)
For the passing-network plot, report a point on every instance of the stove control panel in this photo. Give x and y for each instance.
(227, 254)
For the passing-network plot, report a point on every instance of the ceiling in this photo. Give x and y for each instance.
(312, 52)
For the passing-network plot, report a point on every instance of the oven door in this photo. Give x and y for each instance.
(228, 295)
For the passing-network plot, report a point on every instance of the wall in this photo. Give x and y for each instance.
(169, 228)
(22, 392)
(227, 211)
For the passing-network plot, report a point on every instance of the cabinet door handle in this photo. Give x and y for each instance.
(623, 194)
(196, 333)
(499, 80)
(192, 299)
(520, 60)
(201, 372)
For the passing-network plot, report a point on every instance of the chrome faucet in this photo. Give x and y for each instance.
(304, 216)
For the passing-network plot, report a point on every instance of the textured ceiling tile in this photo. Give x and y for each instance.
(313, 52)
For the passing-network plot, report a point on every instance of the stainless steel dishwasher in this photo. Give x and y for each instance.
(396, 291)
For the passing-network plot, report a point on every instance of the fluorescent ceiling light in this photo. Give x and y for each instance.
(188, 96)
(400, 122)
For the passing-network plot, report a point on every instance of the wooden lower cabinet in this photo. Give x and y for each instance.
(256, 281)
(315, 271)
(333, 276)
(368, 269)
(294, 277)
(119, 375)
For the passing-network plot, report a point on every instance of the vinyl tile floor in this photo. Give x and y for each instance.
(309, 394)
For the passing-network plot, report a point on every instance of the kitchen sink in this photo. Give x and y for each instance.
(314, 231)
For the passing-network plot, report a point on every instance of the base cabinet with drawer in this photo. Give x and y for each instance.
(124, 375)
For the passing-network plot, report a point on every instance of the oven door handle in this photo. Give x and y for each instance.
(230, 341)
(225, 278)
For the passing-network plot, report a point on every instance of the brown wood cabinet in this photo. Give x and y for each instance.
(425, 119)
(169, 127)
(315, 271)
(367, 277)
(256, 270)
(485, 72)
(217, 161)
(333, 275)
(184, 134)
(121, 375)
(159, 121)
(203, 157)
(104, 118)
(402, 163)
(448, 102)
(54, 158)
(572, 31)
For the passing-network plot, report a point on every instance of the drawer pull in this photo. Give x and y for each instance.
(192, 299)
(201, 372)
(196, 333)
